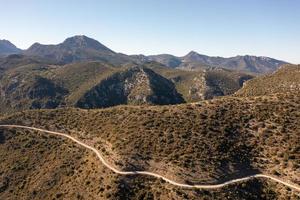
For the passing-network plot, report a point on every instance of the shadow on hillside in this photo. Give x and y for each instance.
(135, 187)
(141, 187)
(2, 137)
(252, 189)
(236, 175)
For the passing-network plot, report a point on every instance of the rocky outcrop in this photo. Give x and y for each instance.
(136, 85)
(206, 84)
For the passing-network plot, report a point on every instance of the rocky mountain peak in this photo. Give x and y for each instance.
(84, 42)
(191, 53)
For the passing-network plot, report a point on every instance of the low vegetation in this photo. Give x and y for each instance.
(209, 142)
(287, 78)
(254, 131)
(203, 84)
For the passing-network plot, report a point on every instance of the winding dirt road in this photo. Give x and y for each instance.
(215, 186)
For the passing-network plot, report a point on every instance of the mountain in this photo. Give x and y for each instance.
(199, 58)
(81, 48)
(83, 42)
(136, 85)
(7, 48)
(195, 61)
(77, 49)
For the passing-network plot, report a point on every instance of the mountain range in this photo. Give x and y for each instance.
(194, 120)
(81, 48)
(82, 72)
(194, 61)
(31, 83)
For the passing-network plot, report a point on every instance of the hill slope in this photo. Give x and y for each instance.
(7, 48)
(133, 86)
(287, 78)
(207, 142)
(68, 171)
(89, 84)
(100, 84)
(203, 84)
(201, 143)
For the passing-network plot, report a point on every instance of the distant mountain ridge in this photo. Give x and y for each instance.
(76, 49)
(7, 48)
(81, 48)
(194, 61)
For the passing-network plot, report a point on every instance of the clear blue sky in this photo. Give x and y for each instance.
(212, 27)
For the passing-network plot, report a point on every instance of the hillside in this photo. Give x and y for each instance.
(132, 86)
(203, 84)
(209, 142)
(7, 48)
(101, 84)
(287, 78)
(166, 59)
(27, 87)
(67, 171)
(19, 60)
(38, 85)
(89, 85)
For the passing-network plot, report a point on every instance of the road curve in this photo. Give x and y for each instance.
(215, 186)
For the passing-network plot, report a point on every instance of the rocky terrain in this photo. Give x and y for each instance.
(203, 84)
(135, 85)
(30, 83)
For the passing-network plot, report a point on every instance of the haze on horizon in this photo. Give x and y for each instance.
(215, 28)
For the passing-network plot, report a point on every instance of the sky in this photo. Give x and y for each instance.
(211, 27)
